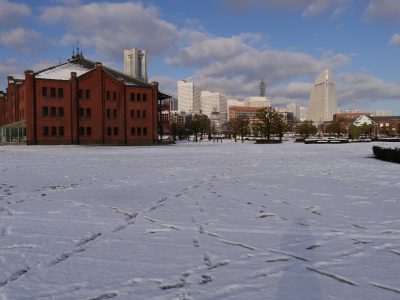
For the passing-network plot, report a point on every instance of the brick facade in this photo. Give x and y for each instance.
(99, 106)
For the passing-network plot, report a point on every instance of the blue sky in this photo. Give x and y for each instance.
(221, 44)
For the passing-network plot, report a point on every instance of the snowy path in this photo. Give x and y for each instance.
(205, 221)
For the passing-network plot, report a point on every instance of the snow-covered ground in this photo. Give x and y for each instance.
(199, 221)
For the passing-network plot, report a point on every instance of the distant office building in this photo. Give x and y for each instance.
(295, 109)
(323, 101)
(303, 113)
(234, 102)
(135, 63)
(262, 88)
(382, 113)
(214, 104)
(174, 104)
(243, 111)
(259, 102)
(188, 97)
(351, 111)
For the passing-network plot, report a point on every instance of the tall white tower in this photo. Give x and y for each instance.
(188, 97)
(323, 101)
(135, 63)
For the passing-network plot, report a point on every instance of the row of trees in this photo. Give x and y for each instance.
(307, 128)
(268, 122)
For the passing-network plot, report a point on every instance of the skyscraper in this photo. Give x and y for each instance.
(323, 101)
(214, 103)
(135, 63)
(295, 109)
(188, 97)
(262, 88)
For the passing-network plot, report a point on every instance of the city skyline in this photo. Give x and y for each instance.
(228, 45)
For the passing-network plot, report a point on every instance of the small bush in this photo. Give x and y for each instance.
(387, 154)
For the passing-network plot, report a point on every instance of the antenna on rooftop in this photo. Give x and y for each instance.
(73, 51)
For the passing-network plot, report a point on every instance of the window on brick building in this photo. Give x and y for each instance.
(108, 96)
(61, 131)
(45, 131)
(88, 112)
(108, 113)
(52, 92)
(132, 97)
(144, 114)
(115, 130)
(139, 131)
(132, 114)
(114, 95)
(81, 112)
(53, 131)
(52, 111)
(138, 114)
(61, 111)
(144, 130)
(144, 97)
(115, 114)
(109, 130)
(60, 93)
(139, 97)
(89, 131)
(132, 130)
(80, 94)
(45, 111)
(44, 91)
(81, 131)
(87, 94)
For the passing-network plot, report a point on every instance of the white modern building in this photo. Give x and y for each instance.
(303, 113)
(234, 102)
(188, 97)
(295, 109)
(382, 113)
(257, 102)
(135, 63)
(323, 101)
(214, 105)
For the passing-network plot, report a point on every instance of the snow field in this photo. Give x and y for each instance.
(199, 221)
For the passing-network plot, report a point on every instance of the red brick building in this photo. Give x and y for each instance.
(80, 102)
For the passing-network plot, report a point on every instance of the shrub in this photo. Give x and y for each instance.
(387, 154)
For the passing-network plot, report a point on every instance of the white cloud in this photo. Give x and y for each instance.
(22, 39)
(112, 27)
(236, 66)
(363, 88)
(395, 40)
(9, 67)
(309, 8)
(12, 13)
(387, 10)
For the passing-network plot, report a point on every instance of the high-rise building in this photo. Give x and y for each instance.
(214, 103)
(295, 109)
(135, 63)
(382, 113)
(174, 104)
(262, 88)
(188, 97)
(257, 102)
(323, 101)
(303, 113)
